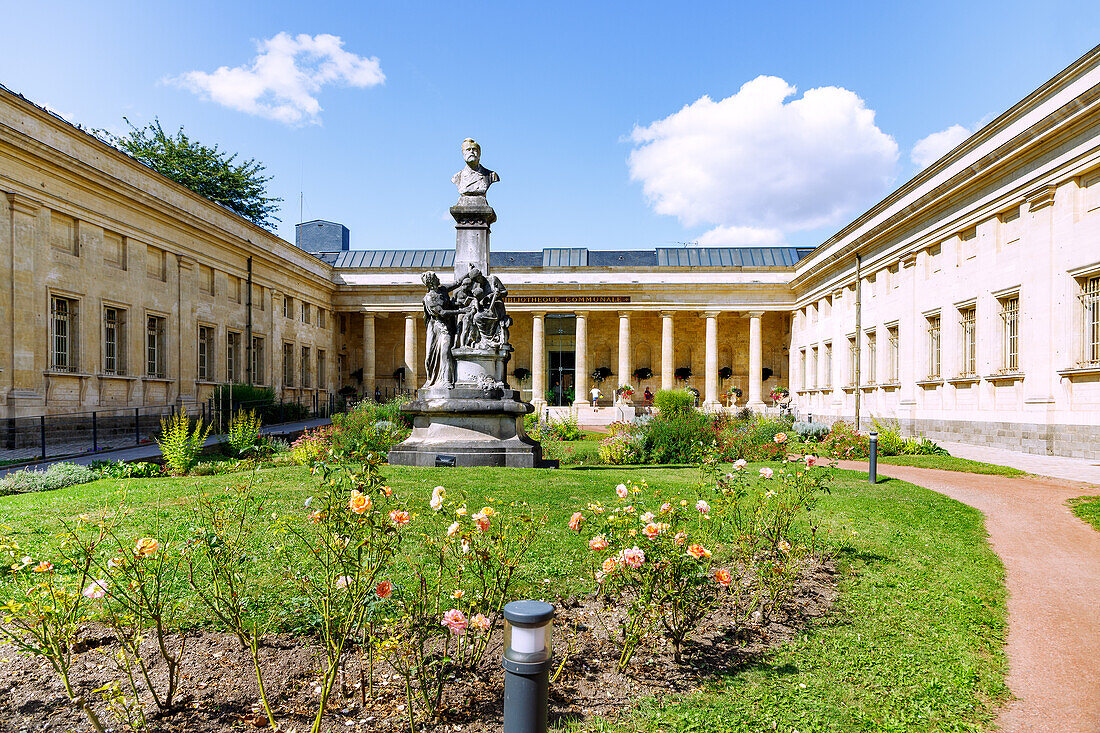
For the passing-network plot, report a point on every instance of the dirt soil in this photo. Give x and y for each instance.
(219, 691)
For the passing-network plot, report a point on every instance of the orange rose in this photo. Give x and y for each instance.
(384, 589)
(359, 502)
(698, 552)
(146, 547)
(575, 521)
(722, 577)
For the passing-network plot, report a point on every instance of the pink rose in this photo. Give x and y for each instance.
(698, 552)
(722, 577)
(597, 543)
(480, 622)
(634, 557)
(666, 508)
(680, 538)
(575, 521)
(482, 521)
(399, 518)
(810, 461)
(455, 621)
(651, 531)
(96, 590)
(702, 506)
(766, 472)
(621, 491)
(739, 464)
(780, 438)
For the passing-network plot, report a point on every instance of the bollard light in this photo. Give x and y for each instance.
(872, 467)
(528, 626)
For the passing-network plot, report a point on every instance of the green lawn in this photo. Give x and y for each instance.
(914, 644)
(951, 463)
(1087, 508)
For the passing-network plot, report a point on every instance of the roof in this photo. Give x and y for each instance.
(573, 257)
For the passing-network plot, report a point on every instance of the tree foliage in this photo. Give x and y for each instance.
(211, 173)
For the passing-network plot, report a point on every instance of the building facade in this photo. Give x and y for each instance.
(965, 305)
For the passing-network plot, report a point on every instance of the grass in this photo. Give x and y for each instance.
(914, 644)
(951, 463)
(1087, 508)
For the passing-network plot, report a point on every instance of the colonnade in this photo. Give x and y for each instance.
(711, 400)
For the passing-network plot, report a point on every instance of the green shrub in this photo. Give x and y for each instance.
(676, 440)
(370, 427)
(814, 431)
(57, 476)
(674, 403)
(752, 438)
(566, 427)
(890, 442)
(179, 444)
(622, 448)
(576, 453)
(923, 446)
(311, 446)
(244, 430)
(845, 442)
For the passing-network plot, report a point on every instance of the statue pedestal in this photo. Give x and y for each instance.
(475, 426)
(472, 365)
(472, 216)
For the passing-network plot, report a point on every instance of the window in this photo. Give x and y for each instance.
(64, 335)
(156, 346)
(305, 312)
(812, 366)
(802, 369)
(892, 355)
(206, 354)
(872, 358)
(934, 346)
(114, 341)
(968, 332)
(63, 233)
(232, 357)
(156, 264)
(321, 318)
(827, 365)
(853, 360)
(206, 279)
(1010, 334)
(304, 366)
(322, 379)
(343, 323)
(1090, 302)
(288, 365)
(114, 250)
(288, 307)
(258, 360)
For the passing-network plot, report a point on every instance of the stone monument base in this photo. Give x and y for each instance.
(473, 426)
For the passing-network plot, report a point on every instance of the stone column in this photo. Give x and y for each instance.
(369, 351)
(538, 361)
(412, 379)
(909, 334)
(624, 347)
(756, 400)
(580, 378)
(1037, 309)
(668, 353)
(187, 353)
(472, 221)
(29, 324)
(711, 379)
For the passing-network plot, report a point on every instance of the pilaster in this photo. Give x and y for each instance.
(1037, 314)
(370, 348)
(30, 305)
(186, 356)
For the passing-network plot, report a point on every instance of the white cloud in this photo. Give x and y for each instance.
(284, 78)
(930, 149)
(754, 161)
(740, 237)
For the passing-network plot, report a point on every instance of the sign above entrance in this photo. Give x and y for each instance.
(568, 299)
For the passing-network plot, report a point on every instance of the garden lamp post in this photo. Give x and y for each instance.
(527, 649)
(872, 468)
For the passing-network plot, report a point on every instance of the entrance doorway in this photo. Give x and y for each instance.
(561, 361)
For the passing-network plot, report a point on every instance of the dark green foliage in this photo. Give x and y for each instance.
(890, 442)
(211, 173)
(600, 374)
(370, 427)
(642, 373)
(683, 373)
(673, 403)
(752, 437)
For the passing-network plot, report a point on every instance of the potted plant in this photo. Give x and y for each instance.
(521, 373)
(625, 392)
(682, 374)
(600, 374)
(642, 373)
(780, 395)
(725, 373)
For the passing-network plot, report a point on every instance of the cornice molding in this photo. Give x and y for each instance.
(1041, 197)
(21, 204)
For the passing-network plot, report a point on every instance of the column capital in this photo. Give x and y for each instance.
(667, 314)
(625, 314)
(411, 315)
(581, 314)
(185, 262)
(369, 314)
(21, 204)
(538, 314)
(711, 314)
(754, 314)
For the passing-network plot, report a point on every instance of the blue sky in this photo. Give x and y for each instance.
(592, 113)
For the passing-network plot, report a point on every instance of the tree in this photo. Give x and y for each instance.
(208, 171)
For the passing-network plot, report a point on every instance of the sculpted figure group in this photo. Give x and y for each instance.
(467, 315)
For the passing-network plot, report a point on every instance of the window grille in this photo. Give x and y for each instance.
(934, 347)
(65, 336)
(1010, 317)
(258, 360)
(205, 353)
(892, 364)
(155, 346)
(872, 358)
(288, 365)
(114, 341)
(1090, 301)
(232, 356)
(968, 330)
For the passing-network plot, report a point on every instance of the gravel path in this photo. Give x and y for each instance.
(1052, 562)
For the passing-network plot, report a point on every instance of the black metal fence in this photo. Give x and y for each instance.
(218, 412)
(51, 436)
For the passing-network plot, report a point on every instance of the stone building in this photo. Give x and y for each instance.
(965, 305)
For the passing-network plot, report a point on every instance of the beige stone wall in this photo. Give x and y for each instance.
(81, 221)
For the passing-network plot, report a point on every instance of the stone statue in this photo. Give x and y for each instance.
(474, 179)
(439, 317)
(482, 321)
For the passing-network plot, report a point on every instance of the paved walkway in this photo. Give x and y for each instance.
(1052, 563)
(150, 450)
(1071, 469)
